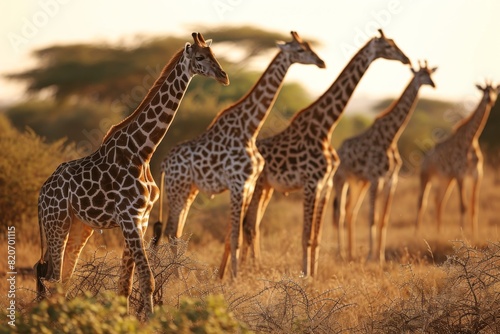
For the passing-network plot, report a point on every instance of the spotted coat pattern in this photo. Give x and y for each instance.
(225, 156)
(301, 156)
(113, 186)
(454, 159)
(371, 161)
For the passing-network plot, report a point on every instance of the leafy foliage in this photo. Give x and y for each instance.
(25, 162)
(106, 72)
(95, 86)
(210, 316)
(107, 314)
(84, 123)
(83, 315)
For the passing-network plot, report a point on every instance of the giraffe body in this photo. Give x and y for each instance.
(301, 156)
(113, 186)
(371, 162)
(455, 158)
(225, 156)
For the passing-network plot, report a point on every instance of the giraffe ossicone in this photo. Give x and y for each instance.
(113, 186)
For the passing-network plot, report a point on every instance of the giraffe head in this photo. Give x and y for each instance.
(386, 48)
(423, 75)
(490, 91)
(300, 51)
(202, 59)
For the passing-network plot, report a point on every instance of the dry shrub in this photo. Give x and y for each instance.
(460, 296)
(26, 161)
(290, 306)
(176, 276)
(466, 300)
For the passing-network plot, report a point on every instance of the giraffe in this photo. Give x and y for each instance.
(454, 159)
(371, 161)
(301, 156)
(113, 186)
(225, 156)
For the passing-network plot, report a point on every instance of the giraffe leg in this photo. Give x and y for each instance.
(310, 202)
(425, 186)
(462, 200)
(126, 274)
(79, 233)
(339, 207)
(57, 237)
(441, 197)
(241, 195)
(268, 193)
(315, 195)
(318, 222)
(227, 252)
(134, 255)
(373, 217)
(179, 205)
(50, 267)
(389, 189)
(355, 196)
(251, 224)
(477, 177)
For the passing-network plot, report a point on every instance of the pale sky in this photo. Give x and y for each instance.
(458, 36)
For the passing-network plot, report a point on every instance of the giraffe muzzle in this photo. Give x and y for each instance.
(223, 78)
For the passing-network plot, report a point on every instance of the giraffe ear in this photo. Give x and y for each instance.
(208, 42)
(434, 69)
(478, 86)
(282, 46)
(188, 50)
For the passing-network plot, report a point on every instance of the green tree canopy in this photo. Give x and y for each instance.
(93, 86)
(25, 163)
(103, 72)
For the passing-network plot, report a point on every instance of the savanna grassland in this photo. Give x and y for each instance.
(434, 282)
(431, 283)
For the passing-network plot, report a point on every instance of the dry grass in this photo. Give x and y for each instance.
(419, 289)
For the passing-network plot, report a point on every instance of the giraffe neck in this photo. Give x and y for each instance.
(471, 128)
(326, 110)
(139, 134)
(392, 122)
(252, 109)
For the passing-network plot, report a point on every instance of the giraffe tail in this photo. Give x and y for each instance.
(41, 267)
(157, 227)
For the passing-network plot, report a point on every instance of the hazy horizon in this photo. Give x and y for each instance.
(456, 36)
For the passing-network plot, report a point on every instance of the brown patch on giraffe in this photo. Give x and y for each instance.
(167, 70)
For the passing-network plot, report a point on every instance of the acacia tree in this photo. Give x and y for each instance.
(108, 72)
(93, 86)
(109, 81)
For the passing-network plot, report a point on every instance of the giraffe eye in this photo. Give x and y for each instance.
(199, 58)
